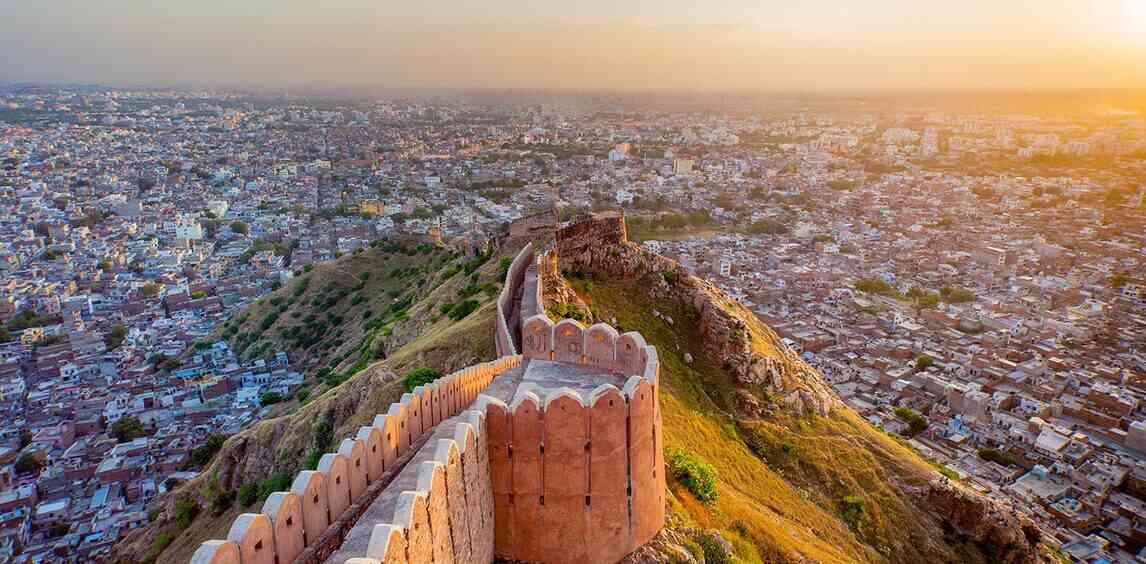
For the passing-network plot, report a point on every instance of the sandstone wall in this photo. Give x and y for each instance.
(308, 522)
(448, 515)
(503, 338)
(579, 478)
(599, 345)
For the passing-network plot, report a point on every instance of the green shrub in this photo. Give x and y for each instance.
(712, 549)
(248, 494)
(469, 290)
(222, 502)
(560, 311)
(278, 482)
(202, 454)
(853, 508)
(185, 512)
(312, 460)
(27, 464)
(915, 422)
(270, 398)
(127, 429)
(695, 474)
(323, 435)
(420, 376)
(463, 309)
(998, 456)
(943, 469)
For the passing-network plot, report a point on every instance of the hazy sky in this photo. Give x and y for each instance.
(581, 44)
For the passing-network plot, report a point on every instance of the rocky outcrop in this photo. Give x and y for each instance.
(999, 530)
(556, 291)
(732, 335)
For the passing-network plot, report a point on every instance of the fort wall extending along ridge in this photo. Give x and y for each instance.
(574, 476)
(309, 522)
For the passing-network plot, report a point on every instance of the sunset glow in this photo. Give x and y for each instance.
(729, 44)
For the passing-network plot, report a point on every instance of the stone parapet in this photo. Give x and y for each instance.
(577, 477)
(448, 515)
(297, 526)
(514, 277)
(571, 342)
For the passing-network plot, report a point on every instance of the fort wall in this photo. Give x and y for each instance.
(576, 477)
(451, 475)
(308, 523)
(515, 276)
(579, 477)
(446, 514)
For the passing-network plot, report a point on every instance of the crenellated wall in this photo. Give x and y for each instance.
(563, 472)
(579, 476)
(310, 521)
(447, 517)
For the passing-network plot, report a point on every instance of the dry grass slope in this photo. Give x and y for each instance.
(782, 479)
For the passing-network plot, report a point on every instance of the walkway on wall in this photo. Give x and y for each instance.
(524, 304)
(381, 510)
(503, 387)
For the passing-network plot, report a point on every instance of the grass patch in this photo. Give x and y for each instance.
(696, 475)
(780, 480)
(420, 376)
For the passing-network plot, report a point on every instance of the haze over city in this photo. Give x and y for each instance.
(817, 45)
(582, 282)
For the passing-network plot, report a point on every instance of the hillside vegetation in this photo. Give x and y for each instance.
(344, 314)
(355, 325)
(790, 487)
(764, 466)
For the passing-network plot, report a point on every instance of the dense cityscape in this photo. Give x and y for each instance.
(975, 282)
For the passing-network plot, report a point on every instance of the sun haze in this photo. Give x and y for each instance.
(592, 44)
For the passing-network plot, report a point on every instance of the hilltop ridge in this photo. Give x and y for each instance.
(796, 475)
(801, 476)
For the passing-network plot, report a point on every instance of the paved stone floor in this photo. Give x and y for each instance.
(543, 376)
(529, 305)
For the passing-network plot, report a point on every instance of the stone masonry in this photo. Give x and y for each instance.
(552, 455)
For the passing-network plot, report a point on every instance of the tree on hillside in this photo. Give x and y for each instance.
(127, 429)
(239, 227)
(420, 376)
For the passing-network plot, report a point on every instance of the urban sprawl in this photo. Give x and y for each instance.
(975, 283)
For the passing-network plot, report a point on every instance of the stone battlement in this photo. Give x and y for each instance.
(293, 526)
(506, 300)
(554, 455)
(576, 477)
